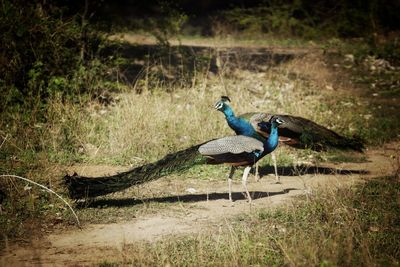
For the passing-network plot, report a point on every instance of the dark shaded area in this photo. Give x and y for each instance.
(153, 7)
(176, 63)
(3, 195)
(306, 169)
(44, 45)
(352, 18)
(125, 202)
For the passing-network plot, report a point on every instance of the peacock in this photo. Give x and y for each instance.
(295, 131)
(237, 151)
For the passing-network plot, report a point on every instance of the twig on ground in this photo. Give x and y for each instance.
(48, 190)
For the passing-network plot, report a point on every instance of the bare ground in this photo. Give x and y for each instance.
(202, 207)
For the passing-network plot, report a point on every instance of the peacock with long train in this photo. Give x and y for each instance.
(237, 151)
(295, 131)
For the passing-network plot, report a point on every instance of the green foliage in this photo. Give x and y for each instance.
(167, 24)
(315, 19)
(389, 50)
(43, 53)
(275, 18)
(48, 57)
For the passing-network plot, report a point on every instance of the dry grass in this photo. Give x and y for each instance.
(166, 118)
(332, 227)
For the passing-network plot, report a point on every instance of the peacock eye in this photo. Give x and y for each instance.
(218, 105)
(280, 121)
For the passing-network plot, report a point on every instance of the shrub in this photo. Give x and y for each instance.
(42, 49)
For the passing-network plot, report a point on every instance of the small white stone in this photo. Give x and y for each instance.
(191, 190)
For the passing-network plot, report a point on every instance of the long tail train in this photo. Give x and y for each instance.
(235, 150)
(84, 187)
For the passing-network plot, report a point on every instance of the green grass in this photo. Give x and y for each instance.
(340, 156)
(108, 264)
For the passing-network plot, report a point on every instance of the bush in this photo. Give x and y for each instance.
(41, 52)
(278, 19)
(314, 19)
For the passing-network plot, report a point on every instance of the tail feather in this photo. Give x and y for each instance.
(324, 143)
(302, 133)
(314, 136)
(83, 187)
(354, 143)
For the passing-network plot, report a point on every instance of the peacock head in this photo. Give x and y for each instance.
(222, 104)
(266, 126)
(276, 120)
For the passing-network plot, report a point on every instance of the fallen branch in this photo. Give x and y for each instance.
(48, 190)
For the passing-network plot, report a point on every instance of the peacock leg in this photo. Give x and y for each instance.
(256, 173)
(244, 181)
(278, 179)
(231, 172)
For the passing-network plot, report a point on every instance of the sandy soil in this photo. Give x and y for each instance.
(208, 211)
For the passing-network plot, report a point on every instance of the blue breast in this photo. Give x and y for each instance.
(243, 127)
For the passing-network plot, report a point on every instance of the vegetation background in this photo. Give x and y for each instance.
(75, 88)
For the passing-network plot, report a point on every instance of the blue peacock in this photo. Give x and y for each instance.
(237, 151)
(294, 131)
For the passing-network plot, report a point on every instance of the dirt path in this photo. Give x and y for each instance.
(97, 242)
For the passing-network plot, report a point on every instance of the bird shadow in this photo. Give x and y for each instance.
(307, 169)
(187, 198)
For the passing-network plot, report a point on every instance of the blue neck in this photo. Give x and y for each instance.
(272, 141)
(239, 125)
